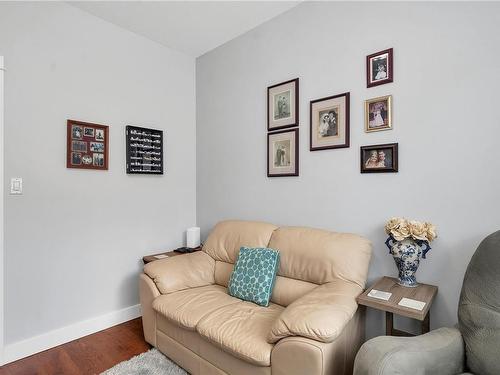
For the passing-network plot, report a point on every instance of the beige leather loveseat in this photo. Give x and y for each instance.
(312, 325)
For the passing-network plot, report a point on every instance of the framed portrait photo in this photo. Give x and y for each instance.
(379, 68)
(379, 158)
(378, 114)
(283, 153)
(87, 145)
(283, 105)
(329, 122)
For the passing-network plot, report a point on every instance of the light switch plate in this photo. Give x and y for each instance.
(16, 186)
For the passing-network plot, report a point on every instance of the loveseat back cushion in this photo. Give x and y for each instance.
(319, 256)
(479, 308)
(226, 239)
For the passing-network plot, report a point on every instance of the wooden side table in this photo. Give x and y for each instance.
(167, 254)
(423, 292)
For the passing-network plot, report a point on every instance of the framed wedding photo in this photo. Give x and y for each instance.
(329, 122)
(379, 158)
(378, 114)
(283, 105)
(283, 153)
(379, 68)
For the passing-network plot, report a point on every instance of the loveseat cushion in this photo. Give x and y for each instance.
(319, 256)
(321, 314)
(254, 275)
(181, 272)
(241, 329)
(227, 237)
(187, 307)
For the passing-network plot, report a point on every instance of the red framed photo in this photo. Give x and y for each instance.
(379, 68)
(87, 145)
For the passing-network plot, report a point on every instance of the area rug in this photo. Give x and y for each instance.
(150, 363)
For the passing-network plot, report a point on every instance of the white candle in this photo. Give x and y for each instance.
(193, 237)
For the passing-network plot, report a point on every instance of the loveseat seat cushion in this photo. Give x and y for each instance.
(226, 239)
(241, 329)
(187, 307)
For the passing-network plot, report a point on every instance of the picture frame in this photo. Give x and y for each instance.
(381, 158)
(144, 150)
(83, 150)
(283, 105)
(379, 68)
(283, 153)
(378, 114)
(329, 122)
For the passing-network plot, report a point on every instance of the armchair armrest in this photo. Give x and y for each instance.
(438, 352)
(182, 272)
(320, 315)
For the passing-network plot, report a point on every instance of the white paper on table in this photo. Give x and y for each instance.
(374, 293)
(161, 256)
(412, 303)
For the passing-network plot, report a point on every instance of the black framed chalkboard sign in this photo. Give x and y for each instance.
(144, 150)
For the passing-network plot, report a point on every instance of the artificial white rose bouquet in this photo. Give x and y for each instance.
(399, 228)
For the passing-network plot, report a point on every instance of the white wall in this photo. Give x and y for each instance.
(75, 238)
(445, 91)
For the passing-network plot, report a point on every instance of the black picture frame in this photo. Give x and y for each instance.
(295, 117)
(295, 171)
(144, 149)
(389, 68)
(364, 156)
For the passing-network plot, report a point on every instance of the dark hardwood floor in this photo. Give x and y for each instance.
(86, 356)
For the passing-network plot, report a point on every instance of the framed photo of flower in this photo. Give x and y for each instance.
(283, 105)
(378, 114)
(329, 122)
(379, 158)
(379, 68)
(283, 153)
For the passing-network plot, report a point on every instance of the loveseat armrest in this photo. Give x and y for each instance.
(438, 352)
(320, 315)
(182, 272)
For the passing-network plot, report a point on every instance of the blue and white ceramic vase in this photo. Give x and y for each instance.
(406, 254)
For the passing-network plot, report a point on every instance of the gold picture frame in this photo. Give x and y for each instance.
(378, 114)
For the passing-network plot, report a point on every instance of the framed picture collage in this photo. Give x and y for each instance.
(88, 148)
(329, 122)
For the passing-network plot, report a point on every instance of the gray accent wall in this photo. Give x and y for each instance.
(74, 240)
(446, 121)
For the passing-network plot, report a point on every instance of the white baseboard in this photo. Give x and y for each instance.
(33, 345)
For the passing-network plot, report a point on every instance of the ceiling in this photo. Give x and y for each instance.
(192, 27)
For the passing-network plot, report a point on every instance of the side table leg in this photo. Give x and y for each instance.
(389, 323)
(426, 323)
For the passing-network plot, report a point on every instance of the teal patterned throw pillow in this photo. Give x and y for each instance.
(254, 274)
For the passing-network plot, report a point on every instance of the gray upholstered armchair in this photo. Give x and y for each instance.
(442, 352)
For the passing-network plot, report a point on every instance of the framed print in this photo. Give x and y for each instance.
(379, 68)
(283, 105)
(85, 150)
(329, 122)
(379, 158)
(283, 153)
(378, 114)
(144, 149)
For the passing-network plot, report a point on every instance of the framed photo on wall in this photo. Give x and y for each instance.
(87, 145)
(379, 158)
(379, 68)
(329, 122)
(283, 153)
(283, 105)
(378, 114)
(144, 148)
